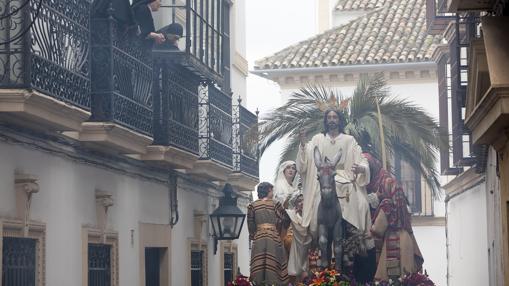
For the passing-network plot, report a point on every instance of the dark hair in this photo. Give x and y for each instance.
(342, 121)
(263, 189)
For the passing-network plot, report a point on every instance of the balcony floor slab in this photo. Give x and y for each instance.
(36, 110)
(169, 156)
(113, 137)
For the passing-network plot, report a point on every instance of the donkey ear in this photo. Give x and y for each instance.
(317, 156)
(337, 157)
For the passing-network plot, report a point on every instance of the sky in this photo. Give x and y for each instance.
(272, 25)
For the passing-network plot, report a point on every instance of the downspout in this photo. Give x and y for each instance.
(447, 198)
(172, 197)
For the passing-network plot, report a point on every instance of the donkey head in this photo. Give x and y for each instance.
(326, 173)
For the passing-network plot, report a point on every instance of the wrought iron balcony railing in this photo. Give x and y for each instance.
(175, 93)
(245, 157)
(215, 125)
(45, 47)
(207, 40)
(121, 77)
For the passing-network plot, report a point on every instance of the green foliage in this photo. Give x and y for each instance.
(409, 130)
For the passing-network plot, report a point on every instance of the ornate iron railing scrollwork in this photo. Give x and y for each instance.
(236, 135)
(215, 130)
(121, 77)
(245, 141)
(175, 93)
(248, 142)
(53, 56)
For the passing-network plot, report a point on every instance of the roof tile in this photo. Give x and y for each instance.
(395, 33)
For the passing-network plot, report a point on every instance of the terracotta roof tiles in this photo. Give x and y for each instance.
(395, 33)
(352, 5)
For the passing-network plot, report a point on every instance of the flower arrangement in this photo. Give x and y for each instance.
(240, 281)
(330, 277)
(333, 278)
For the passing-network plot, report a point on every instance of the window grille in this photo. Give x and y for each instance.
(18, 261)
(99, 264)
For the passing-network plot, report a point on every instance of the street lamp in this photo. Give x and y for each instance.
(227, 219)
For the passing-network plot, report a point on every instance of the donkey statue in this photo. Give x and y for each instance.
(330, 226)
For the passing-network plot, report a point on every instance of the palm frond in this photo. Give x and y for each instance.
(409, 130)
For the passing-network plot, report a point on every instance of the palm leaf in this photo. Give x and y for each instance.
(408, 129)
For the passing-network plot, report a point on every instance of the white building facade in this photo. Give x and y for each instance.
(99, 192)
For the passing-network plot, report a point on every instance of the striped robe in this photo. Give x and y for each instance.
(265, 218)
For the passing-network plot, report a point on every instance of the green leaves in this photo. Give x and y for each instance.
(409, 130)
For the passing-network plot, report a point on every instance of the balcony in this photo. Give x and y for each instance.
(121, 76)
(175, 95)
(245, 156)
(74, 68)
(207, 41)
(487, 110)
(44, 63)
(215, 133)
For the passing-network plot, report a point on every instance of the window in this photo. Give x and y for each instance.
(23, 259)
(228, 268)
(197, 268)
(99, 264)
(229, 255)
(18, 261)
(100, 256)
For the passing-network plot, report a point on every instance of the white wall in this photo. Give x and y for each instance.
(467, 238)
(493, 207)
(239, 27)
(431, 241)
(66, 202)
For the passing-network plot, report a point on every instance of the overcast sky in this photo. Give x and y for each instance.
(273, 25)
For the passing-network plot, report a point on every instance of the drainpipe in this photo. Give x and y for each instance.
(172, 197)
(447, 198)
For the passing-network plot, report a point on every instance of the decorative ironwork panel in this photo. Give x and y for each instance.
(245, 142)
(248, 142)
(18, 261)
(236, 135)
(99, 264)
(121, 77)
(132, 84)
(176, 107)
(47, 49)
(203, 113)
(219, 125)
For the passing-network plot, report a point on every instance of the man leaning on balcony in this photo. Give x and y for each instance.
(142, 10)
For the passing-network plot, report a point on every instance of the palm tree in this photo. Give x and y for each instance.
(409, 130)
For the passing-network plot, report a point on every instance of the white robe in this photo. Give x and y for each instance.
(298, 257)
(356, 209)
